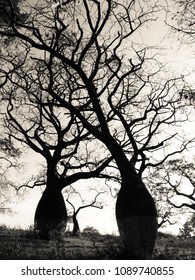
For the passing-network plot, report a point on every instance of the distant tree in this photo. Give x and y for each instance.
(188, 229)
(8, 160)
(162, 192)
(94, 203)
(91, 101)
(91, 232)
(175, 190)
(184, 186)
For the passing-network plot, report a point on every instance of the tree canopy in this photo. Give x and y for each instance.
(78, 88)
(69, 82)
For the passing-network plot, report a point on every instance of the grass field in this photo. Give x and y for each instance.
(17, 244)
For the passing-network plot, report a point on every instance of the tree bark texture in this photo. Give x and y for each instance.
(50, 214)
(136, 217)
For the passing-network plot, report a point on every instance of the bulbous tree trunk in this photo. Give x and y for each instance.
(136, 213)
(50, 214)
(136, 217)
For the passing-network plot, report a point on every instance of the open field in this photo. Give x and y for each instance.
(21, 244)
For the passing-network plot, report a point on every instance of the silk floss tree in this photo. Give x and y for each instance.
(81, 94)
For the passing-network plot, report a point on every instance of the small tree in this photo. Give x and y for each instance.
(188, 229)
(8, 160)
(93, 203)
(184, 185)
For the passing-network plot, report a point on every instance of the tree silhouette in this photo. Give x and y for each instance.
(8, 160)
(92, 103)
(188, 229)
(183, 170)
(93, 203)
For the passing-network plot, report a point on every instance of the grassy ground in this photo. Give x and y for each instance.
(21, 244)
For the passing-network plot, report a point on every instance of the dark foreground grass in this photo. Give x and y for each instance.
(18, 244)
